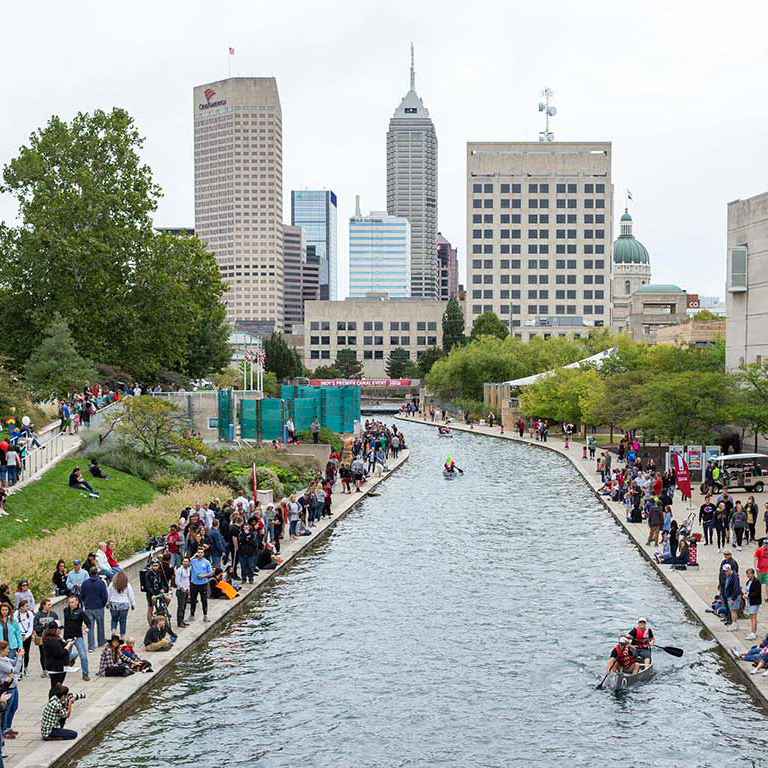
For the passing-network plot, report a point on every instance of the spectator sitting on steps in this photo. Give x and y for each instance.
(158, 638)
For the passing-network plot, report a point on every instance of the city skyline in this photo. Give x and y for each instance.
(668, 112)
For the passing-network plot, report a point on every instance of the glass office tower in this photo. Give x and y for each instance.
(315, 212)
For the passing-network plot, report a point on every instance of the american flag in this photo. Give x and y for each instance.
(231, 51)
(261, 356)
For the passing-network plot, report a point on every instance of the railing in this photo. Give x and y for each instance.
(39, 458)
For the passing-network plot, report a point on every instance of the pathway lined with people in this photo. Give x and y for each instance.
(696, 586)
(106, 696)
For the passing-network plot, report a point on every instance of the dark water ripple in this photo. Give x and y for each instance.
(458, 623)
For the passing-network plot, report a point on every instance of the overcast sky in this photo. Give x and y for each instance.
(678, 87)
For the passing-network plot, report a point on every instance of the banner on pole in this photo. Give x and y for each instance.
(255, 479)
(695, 458)
(683, 475)
(673, 449)
(360, 382)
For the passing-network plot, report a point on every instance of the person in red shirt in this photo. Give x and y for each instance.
(110, 553)
(761, 565)
(172, 543)
(658, 485)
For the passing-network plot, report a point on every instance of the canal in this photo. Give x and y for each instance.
(450, 623)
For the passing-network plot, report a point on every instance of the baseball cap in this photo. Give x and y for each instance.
(54, 625)
(642, 620)
(623, 640)
(727, 567)
(76, 562)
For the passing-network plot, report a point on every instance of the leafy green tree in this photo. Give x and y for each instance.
(348, 364)
(705, 316)
(489, 324)
(326, 372)
(453, 325)
(684, 406)
(750, 399)
(281, 359)
(560, 395)
(427, 358)
(85, 248)
(398, 363)
(15, 400)
(153, 425)
(612, 401)
(55, 368)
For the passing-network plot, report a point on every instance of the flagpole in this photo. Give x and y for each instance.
(229, 64)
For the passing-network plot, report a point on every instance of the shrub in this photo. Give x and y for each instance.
(267, 480)
(475, 409)
(326, 437)
(35, 559)
(168, 483)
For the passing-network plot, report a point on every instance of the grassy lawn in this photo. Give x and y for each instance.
(49, 503)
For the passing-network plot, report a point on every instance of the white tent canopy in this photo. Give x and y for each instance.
(526, 380)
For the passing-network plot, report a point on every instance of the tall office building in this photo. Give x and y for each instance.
(315, 212)
(539, 225)
(239, 194)
(746, 290)
(379, 255)
(301, 277)
(448, 264)
(412, 185)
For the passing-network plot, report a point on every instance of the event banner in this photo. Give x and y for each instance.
(360, 382)
(683, 476)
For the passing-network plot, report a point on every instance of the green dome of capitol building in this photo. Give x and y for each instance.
(631, 269)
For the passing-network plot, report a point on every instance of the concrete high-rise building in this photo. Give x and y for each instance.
(239, 194)
(379, 254)
(315, 211)
(631, 269)
(301, 277)
(448, 264)
(539, 229)
(412, 185)
(746, 290)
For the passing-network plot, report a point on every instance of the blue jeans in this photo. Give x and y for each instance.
(175, 559)
(753, 653)
(10, 709)
(118, 616)
(215, 559)
(96, 615)
(78, 649)
(248, 566)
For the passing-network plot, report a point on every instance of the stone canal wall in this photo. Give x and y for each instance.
(694, 586)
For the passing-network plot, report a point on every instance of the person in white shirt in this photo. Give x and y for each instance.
(120, 600)
(243, 502)
(182, 574)
(26, 620)
(102, 562)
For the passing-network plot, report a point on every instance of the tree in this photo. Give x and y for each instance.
(230, 378)
(281, 359)
(750, 403)
(155, 425)
(55, 368)
(613, 400)
(427, 358)
(348, 364)
(14, 395)
(398, 363)
(705, 316)
(85, 248)
(453, 325)
(327, 372)
(559, 395)
(489, 324)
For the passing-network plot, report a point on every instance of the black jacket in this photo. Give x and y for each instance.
(55, 653)
(754, 595)
(73, 622)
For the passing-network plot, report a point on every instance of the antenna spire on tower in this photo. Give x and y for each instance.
(413, 72)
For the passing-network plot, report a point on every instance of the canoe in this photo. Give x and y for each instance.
(445, 434)
(449, 475)
(619, 680)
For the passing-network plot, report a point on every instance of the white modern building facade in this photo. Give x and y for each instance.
(238, 145)
(539, 232)
(412, 186)
(379, 255)
(746, 290)
(315, 211)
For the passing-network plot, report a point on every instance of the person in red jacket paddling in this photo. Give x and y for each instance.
(623, 658)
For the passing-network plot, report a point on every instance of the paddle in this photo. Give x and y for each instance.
(610, 669)
(670, 649)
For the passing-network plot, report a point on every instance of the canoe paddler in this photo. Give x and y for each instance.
(623, 658)
(451, 466)
(642, 639)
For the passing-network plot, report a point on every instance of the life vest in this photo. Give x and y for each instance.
(623, 656)
(641, 638)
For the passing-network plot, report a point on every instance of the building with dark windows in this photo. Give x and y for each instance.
(448, 264)
(315, 211)
(302, 279)
(412, 186)
(539, 230)
(238, 136)
(179, 231)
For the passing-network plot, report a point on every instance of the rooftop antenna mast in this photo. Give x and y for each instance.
(549, 110)
(413, 72)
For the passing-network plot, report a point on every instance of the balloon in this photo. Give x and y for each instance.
(25, 421)
(4, 446)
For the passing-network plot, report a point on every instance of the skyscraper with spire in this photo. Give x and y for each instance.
(412, 186)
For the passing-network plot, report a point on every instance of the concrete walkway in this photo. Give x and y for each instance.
(695, 586)
(107, 698)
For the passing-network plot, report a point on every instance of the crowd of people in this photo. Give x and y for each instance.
(209, 553)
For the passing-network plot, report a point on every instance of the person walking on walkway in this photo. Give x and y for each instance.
(94, 597)
(57, 654)
(76, 622)
(121, 600)
(655, 522)
(201, 573)
(753, 592)
(753, 512)
(738, 524)
(722, 519)
(733, 567)
(732, 595)
(181, 577)
(707, 518)
(43, 618)
(761, 564)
